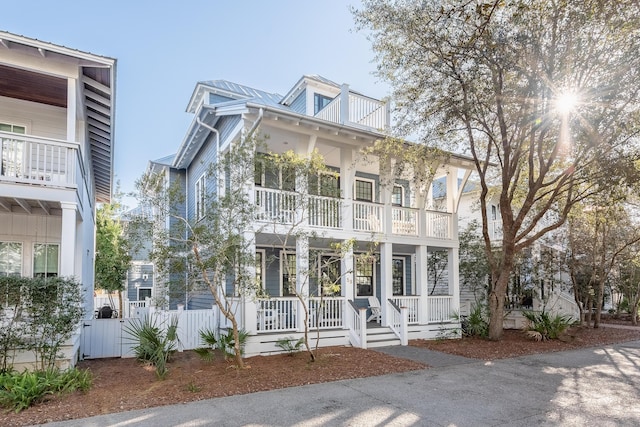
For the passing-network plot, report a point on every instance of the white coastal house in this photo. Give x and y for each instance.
(56, 135)
(540, 280)
(361, 201)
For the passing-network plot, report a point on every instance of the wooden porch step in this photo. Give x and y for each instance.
(381, 336)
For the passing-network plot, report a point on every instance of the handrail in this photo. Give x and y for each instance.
(398, 321)
(357, 325)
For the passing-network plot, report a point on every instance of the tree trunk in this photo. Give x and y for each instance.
(599, 300)
(496, 305)
(634, 310)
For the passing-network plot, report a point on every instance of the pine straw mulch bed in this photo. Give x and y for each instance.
(124, 384)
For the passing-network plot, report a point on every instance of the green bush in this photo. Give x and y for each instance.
(18, 391)
(290, 344)
(39, 315)
(476, 324)
(155, 342)
(545, 326)
(224, 343)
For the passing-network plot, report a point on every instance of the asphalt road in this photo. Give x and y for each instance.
(598, 386)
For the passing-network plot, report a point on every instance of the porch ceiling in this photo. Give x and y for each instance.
(29, 206)
(96, 88)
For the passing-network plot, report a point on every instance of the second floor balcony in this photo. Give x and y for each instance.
(40, 161)
(321, 212)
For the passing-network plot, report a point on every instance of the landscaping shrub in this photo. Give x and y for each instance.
(155, 341)
(476, 324)
(545, 326)
(39, 315)
(18, 391)
(290, 344)
(224, 343)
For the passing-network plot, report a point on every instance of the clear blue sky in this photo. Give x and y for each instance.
(164, 48)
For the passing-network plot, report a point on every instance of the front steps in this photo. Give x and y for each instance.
(377, 336)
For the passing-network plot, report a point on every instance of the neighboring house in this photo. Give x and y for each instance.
(56, 135)
(318, 114)
(540, 280)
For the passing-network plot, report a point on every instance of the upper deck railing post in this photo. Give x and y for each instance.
(344, 104)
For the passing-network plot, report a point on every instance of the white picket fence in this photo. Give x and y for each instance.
(109, 338)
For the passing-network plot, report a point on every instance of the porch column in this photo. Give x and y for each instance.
(347, 269)
(347, 178)
(422, 286)
(302, 277)
(346, 283)
(68, 240)
(386, 278)
(454, 279)
(386, 187)
(72, 96)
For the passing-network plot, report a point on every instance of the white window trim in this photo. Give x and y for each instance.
(263, 271)
(373, 188)
(401, 187)
(33, 254)
(282, 256)
(200, 197)
(355, 280)
(138, 293)
(404, 276)
(22, 260)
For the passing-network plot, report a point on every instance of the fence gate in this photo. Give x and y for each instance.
(105, 338)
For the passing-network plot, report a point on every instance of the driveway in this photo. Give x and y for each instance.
(599, 386)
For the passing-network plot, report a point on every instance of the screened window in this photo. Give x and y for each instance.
(325, 184)
(144, 293)
(45, 260)
(398, 276)
(364, 278)
(397, 196)
(319, 102)
(270, 175)
(330, 275)
(6, 127)
(260, 269)
(364, 190)
(200, 198)
(288, 275)
(10, 259)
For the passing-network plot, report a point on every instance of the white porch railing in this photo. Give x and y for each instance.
(135, 308)
(326, 313)
(277, 314)
(362, 110)
(398, 321)
(37, 160)
(324, 212)
(368, 217)
(439, 309)
(357, 324)
(405, 221)
(275, 205)
(412, 303)
(439, 225)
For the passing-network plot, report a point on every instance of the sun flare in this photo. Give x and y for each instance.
(566, 102)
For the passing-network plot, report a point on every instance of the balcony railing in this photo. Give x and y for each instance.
(361, 111)
(281, 207)
(31, 159)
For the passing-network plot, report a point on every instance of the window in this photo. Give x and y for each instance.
(398, 276)
(144, 293)
(12, 151)
(269, 175)
(494, 212)
(288, 269)
(10, 259)
(200, 198)
(364, 277)
(319, 102)
(260, 269)
(325, 184)
(364, 190)
(397, 196)
(330, 275)
(45, 260)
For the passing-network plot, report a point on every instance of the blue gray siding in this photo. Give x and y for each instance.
(299, 105)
